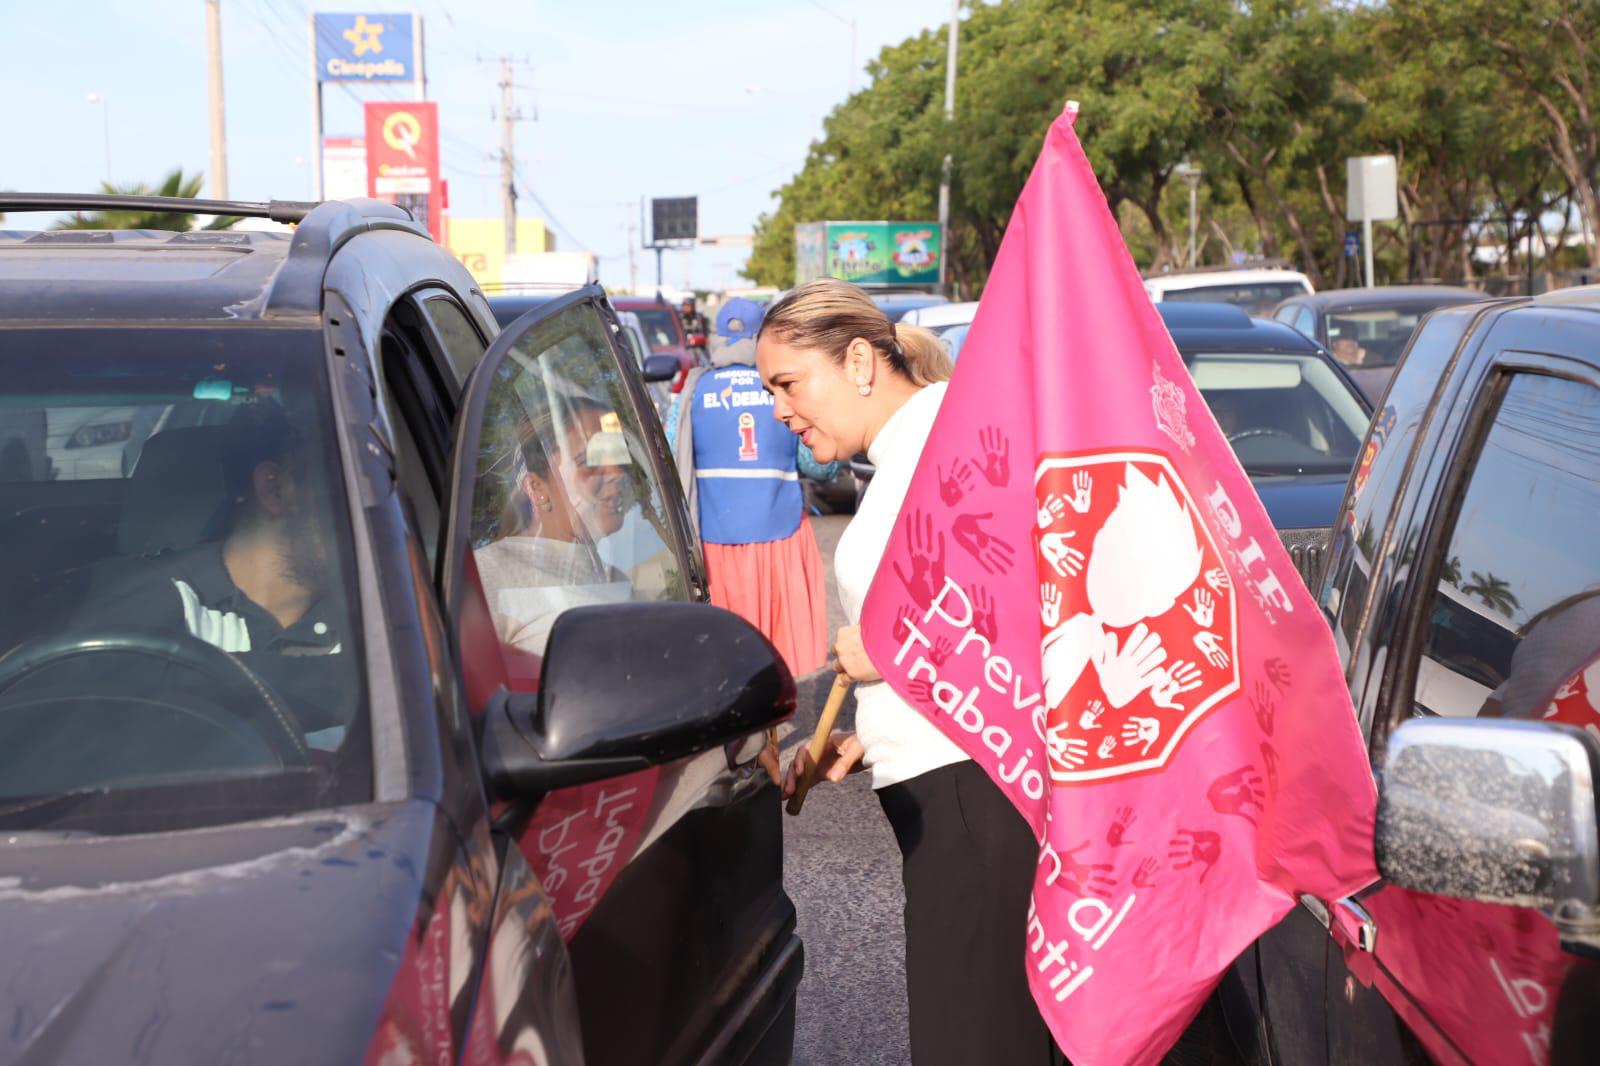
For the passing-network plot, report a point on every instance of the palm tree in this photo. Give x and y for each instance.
(1451, 571)
(174, 184)
(1493, 591)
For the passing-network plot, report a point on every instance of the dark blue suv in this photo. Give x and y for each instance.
(359, 695)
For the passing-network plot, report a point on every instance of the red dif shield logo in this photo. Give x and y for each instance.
(1139, 627)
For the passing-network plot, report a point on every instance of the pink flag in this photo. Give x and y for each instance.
(1084, 592)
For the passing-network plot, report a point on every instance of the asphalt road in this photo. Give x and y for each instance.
(842, 869)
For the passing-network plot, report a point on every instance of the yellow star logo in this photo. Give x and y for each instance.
(364, 36)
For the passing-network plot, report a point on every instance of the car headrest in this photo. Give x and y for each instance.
(178, 494)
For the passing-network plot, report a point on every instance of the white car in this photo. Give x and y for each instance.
(948, 322)
(1258, 291)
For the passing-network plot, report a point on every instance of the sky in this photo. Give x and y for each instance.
(718, 99)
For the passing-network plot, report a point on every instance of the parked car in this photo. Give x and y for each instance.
(948, 322)
(896, 303)
(1461, 592)
(664, 329)
(277, 778)
(1292, 416)
(1258, 291)
(1367, 329)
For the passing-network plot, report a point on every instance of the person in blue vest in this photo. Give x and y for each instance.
(741, 473)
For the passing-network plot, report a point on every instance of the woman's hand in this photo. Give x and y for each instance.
(841, 756)
(850, 656)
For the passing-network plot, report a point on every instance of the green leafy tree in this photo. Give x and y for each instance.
(1495, 592)
(175, 184)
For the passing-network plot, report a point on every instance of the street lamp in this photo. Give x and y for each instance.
(105, 113)
(1191, 177)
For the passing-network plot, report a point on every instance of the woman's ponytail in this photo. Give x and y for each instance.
(926, 360)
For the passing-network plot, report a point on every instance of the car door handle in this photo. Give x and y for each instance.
(1347, 920)
(1351, 922)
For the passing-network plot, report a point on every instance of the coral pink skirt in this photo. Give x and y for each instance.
(776, 586)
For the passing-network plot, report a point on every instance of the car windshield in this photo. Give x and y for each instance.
(180, 644)
(1282, 413)
(1256, 297)
(1372, 336)
(660, 326)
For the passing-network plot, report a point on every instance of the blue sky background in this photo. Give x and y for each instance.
(718, 98)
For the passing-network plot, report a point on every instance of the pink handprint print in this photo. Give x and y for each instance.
(926, 549)
(992, 553)
(1144, 876)
(984, 620)
(1195, 847)
(996, 456)
(1088, 878)
(1237, 792)
(1265, 706)
(1279, 674)
(954, 485)
(1117, 834)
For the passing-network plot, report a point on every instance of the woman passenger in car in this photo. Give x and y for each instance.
(573, 493)
(846, 380)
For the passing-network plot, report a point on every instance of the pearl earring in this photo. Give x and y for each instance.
(864, 389)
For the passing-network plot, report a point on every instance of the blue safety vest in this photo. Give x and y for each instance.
(744, 461)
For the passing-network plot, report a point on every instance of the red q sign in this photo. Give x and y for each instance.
(1139, 629)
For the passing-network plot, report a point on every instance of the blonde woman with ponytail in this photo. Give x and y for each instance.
(846, 380)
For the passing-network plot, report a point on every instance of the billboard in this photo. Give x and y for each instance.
(674, 219)
(344, 167)
(870, 253)
(365, 47)
(403, 159)
(480, 244)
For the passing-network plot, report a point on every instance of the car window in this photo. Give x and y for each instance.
(180, 639)
(1306, 322)
(1258, 298)
(566, 510)
(1516, 605)
(1372, 336)
(1282, 413)
(461, 342)
(660, 326)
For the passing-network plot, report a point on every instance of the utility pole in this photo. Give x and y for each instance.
(633, 272)
(508, 188)
(949, 120)
(219, 132)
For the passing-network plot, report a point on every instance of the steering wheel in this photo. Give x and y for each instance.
(266, 715)
(1262, 431)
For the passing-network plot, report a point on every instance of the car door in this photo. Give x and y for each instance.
(666, 882)
(1499, 612)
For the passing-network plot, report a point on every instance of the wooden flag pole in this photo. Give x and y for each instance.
(819, 740)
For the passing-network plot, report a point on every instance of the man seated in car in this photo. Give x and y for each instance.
(1348, 351)
(263, 592)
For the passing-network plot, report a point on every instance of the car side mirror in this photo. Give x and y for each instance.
(626, 686)
(1499, 811)
(660, 367)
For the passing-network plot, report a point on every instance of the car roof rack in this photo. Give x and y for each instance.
(276, 210)
(320, 230)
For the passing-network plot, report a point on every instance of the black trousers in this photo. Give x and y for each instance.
(969, 859)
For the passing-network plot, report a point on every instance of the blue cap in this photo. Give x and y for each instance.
(739, 318)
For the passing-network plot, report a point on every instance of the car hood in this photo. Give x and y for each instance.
(272, 941)
(1303, 501)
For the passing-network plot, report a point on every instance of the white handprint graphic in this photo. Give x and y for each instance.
(1050, 509)
(1175, 680)
(1217, 578)
(1070, 750)
(1128, 671)
(1050, 605)
(1137, 730)
(1210, 646)
(1066, 560)
(1090, 718)
(1107, 746)
(1082, 491)
(1204, 610)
